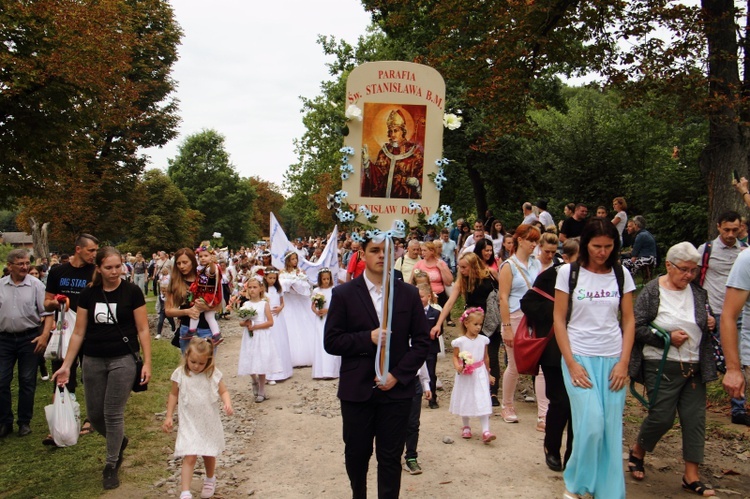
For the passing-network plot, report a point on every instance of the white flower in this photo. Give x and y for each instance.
(451, 121)
(353, 113)
(216, 235)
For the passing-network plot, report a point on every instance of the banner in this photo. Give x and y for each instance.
(395, 120)
(280, 244)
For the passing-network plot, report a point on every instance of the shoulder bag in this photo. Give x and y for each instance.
(527, 346)
(137, 386)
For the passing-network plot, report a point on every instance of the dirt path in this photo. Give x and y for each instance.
(290, 446)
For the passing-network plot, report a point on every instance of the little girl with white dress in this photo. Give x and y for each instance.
(258, 355)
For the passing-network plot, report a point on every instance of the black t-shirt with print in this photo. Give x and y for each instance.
(103, 337)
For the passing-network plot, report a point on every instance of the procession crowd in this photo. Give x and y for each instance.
(571, 283)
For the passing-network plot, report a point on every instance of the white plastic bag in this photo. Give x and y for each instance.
(64, 418)
(57, 346)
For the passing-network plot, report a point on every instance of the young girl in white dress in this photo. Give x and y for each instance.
(258, 354)
(298, 316)
(278, 330)
(471, 394)
(196, 388)
(325, 365)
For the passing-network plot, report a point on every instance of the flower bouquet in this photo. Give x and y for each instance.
(319, 301)
(468, 361)
(247, 314)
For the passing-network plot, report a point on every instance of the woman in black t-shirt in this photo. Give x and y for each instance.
(109, 310)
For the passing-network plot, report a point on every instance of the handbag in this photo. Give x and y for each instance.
(721, 364)
(57, 346)
(64, 419)
(527, 346)
(137, 386)
(491, 312)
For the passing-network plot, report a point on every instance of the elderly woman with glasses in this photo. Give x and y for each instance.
(678, 306)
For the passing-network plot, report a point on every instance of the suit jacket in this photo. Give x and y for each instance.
(432, 315)
(349, 324)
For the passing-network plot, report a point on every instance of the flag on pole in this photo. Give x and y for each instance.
(280, 245)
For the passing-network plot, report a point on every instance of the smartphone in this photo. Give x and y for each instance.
(735, 176)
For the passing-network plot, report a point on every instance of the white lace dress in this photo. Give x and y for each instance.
(324, 364)
(199, 428)
(280, 337)
(299, 317)
(471, 392)
(258, 353)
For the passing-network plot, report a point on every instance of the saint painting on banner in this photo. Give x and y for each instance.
(397, 132)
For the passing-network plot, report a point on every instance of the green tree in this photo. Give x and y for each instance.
(213, 187)
(162, 218)
(598, 150)
(84, 85)
(269, 199)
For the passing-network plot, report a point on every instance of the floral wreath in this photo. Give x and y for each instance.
(470, 311)
(288, 254)
(201, 249)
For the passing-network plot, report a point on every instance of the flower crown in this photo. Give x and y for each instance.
(324, 269)
(272, 270)
(470, 311)
(288, 254)
(201, 249)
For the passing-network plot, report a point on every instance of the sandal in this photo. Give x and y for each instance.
(635, 464)
(466, 432)
(697, 486)
(85, 430)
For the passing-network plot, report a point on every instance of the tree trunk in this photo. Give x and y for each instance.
(480, 193)
(39, 238)
(727, 147)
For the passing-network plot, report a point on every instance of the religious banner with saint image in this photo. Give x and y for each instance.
(395, 121)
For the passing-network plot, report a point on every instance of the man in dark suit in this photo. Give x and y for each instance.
(370, 410)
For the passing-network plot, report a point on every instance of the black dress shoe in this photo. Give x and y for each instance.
(433, 404)
(24, 430)
(495, 401)
(5, 430)
(553, 462)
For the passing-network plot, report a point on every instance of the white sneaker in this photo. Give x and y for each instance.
(45, 378)
(271, 382)
(158, 337)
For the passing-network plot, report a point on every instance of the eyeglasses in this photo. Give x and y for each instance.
(693, 271)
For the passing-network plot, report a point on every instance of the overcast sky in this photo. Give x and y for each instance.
(242, 68)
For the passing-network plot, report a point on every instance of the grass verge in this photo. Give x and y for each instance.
(29, 469)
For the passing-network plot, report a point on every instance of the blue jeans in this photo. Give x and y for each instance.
(185, 339)
(18, 348)
(737, 405)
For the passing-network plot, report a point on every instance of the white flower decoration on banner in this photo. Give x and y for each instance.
(451, 121)
(446, 210)
(434, 219)
(216, 235)
(413, 205)
(354, 113)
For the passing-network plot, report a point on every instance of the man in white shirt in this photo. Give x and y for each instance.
(528, 214)
(544, 215)
(479, 233)
(406, 263)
